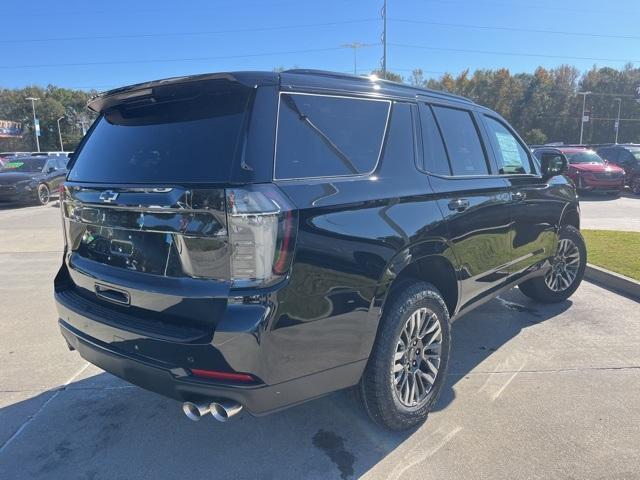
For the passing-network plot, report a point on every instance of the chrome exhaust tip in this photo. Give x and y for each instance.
(225, 410)
(195, 411)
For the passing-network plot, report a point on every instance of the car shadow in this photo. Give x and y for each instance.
(23, 205)
(102, 427)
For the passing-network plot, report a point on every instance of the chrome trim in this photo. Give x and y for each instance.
(350, 97)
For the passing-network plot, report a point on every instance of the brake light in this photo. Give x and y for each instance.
(262, 225)
(216, 375)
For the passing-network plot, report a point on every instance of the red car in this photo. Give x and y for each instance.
(588, 170)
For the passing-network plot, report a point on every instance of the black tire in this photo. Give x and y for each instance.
(538, 288)
(635, 186)
(43, 194)
(377, 388)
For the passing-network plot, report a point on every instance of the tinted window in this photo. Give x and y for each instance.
(435, 156)
(322, 136)
(462, 141)
(191, 140)
(511, 156)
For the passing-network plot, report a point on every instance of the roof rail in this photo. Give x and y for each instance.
(362, 78)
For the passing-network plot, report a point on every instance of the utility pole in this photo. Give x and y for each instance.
(36, 126)
(355, 46)
(384, 39)
(60, 134)
(617, 124)
(584, 101)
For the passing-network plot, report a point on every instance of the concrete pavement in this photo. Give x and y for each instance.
(533, 391)
(603, 212)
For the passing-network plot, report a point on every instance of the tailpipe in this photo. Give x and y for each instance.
(225, 410)
(195, 411)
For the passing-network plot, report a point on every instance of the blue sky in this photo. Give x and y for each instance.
(91, 45)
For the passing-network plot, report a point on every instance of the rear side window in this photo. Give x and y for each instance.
(323, 136)
(510, 155)
(193, 140)
(435, 156)
(463, 143)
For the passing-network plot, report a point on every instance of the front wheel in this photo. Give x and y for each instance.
(407, 366)
(565, 274)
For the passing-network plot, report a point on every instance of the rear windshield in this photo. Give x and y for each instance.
(191, 140)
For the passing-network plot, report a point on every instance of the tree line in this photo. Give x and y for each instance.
(543, 106)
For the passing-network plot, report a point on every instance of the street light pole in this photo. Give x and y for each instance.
(35, 132)
(60, 134)
(617, 125)
(584, 101)
(355, 46)
(384, 39)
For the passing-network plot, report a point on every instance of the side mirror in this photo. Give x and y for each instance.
(552, 164)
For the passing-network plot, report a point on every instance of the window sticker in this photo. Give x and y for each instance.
(13, 164)
(509, 149)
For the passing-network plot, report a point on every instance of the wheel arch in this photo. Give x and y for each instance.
(570, 216)
(436, 268)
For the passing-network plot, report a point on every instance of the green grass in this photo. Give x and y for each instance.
(615, 251)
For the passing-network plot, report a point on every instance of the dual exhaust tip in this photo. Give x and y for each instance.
(223, 410)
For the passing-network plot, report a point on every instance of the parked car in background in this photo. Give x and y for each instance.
(32, 179)
(627, 157)
(589, 171)
(258, 239)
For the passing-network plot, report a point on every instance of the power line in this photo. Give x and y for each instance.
(517, 29)
(537, 6)
(188, 34)
(513, 54)
(167, 60)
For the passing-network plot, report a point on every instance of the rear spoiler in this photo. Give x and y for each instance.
(141, 91)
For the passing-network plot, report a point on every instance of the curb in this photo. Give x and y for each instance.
(613, 281)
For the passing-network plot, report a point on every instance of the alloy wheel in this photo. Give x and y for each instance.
(564, 267)
(43, 194)
(417, 357)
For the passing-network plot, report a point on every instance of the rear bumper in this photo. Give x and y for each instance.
(162, 365)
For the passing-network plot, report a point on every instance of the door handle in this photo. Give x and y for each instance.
(518, 196)
(459, 204)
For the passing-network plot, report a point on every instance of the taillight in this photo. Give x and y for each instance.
(262, 226)
(61, 198)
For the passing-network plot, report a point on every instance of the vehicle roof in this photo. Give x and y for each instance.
(563, 149)
(289, 79)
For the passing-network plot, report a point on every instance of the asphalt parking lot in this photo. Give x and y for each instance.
(533, 392)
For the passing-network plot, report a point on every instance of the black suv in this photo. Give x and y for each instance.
(626, 156)
(260, 239)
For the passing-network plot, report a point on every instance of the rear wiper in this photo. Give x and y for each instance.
(288, 100)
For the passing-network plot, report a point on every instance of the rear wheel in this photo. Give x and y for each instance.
(407, 366)
(565, 274)
(635, 186)
(44, 195)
